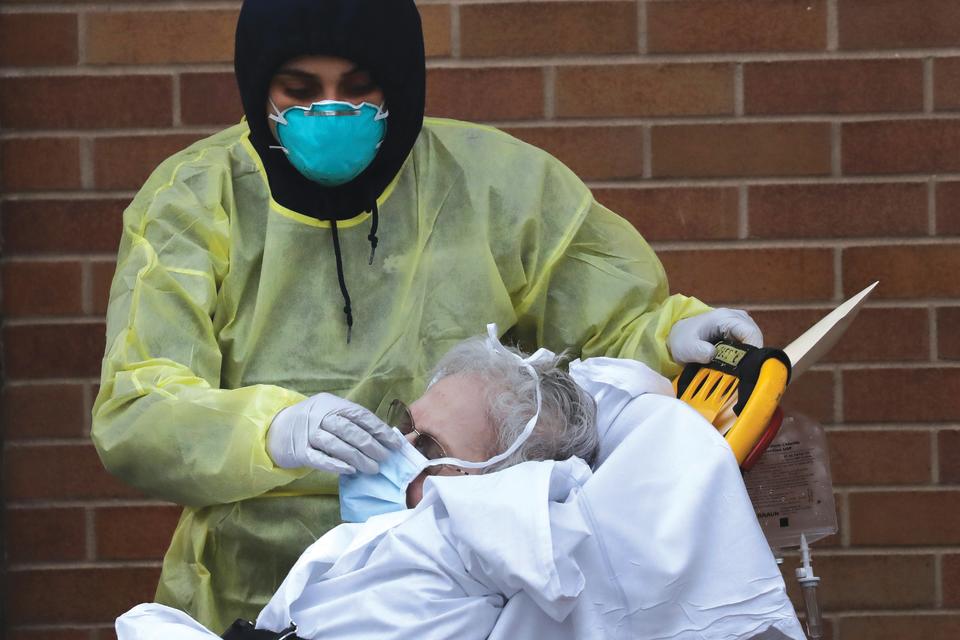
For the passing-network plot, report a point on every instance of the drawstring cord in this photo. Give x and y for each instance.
(343, 283)
(372, 237)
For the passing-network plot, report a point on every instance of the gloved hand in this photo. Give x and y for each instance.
(329, 433)
(691, 339)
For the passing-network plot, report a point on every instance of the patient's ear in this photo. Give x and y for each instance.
(415, 490)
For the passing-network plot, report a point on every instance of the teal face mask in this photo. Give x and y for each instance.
(331, 142)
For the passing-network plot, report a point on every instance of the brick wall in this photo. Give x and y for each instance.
(780, 155)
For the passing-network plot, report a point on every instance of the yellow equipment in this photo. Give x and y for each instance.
(739, 393)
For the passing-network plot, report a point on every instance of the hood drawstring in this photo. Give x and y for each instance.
(372, 237)
(347, 310)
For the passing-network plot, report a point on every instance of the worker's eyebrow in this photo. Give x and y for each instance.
(300, 74)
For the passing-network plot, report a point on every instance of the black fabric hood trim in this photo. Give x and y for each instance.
(383, 36)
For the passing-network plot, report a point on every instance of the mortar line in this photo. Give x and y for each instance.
(642, 34)
(845, 519)
(833, 26)
(90, 540)
(82, 37)
(87, 174)
(550, 92)
(647, 151)
(86, 287)
(933, 330)
(176, 101)
(838, 395)
(838, 274)
(738, 91)
(938, 581)
(87, 409)
(928, 85)
(743, 212)
(935, 457)
(932, 206)
(836, 149)
(454, 31)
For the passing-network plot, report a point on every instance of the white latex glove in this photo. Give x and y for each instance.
(691, 339)
(329, 433)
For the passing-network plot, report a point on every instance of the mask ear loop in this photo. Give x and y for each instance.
(279, 119)
(493, 342)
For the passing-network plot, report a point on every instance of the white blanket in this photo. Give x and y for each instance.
(659, 542)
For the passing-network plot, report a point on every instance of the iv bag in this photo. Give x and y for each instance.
(790, 485)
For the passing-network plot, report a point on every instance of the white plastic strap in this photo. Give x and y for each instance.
(493, 341)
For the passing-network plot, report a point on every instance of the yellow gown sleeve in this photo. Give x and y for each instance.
(604, 288)
(160, 422)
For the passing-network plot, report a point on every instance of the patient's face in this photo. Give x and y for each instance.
(454, 413)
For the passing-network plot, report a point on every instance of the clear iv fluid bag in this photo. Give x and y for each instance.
(790, 485)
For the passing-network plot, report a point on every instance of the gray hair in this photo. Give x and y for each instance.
(568, 415)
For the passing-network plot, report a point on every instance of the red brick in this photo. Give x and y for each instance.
(933, 626)
(736, 25)
(127, 162)
(811, 395)
(547, 28)
(514, 93)
(764, 149)
(905, 518)
(906, 146)
(946, 84)
(39, 164)
(732, 276)
(948, 324)
(951, 585)
(867, 581)
(879, 457)
(38, 39)
(86, 102)
(77, 595)
(912, 271)
(209, 98)
(59, 472)
(594, 153)
(676, 213)
(898, 24)
(436, 29)
(45, 535)
(645, 90)
(160, 37)
(948, 446)
(53, 350)
(135, 533)
(42, 289)
(877, 335)
(838, 210)
(833, 86)
(102, 277)
(948, 208)
(901, 395)
(62, 226)
(43, 411)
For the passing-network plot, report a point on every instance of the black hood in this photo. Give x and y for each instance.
(382, 36)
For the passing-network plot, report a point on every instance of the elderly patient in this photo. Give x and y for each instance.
(510, 533)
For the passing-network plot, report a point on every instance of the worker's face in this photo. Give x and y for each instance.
(454, 413)
(308, 79)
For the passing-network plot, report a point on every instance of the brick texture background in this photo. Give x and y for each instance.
(779, 154)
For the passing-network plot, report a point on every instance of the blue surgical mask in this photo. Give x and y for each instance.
(363, 495)
(331, 142)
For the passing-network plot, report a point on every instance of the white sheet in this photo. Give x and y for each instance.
(660, 542)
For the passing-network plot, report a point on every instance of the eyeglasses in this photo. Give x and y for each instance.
(400, 417)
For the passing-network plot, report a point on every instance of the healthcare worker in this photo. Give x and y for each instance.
(279, 283)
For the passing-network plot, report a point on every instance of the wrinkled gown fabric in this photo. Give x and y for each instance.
(659, 542)
(225, 309)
